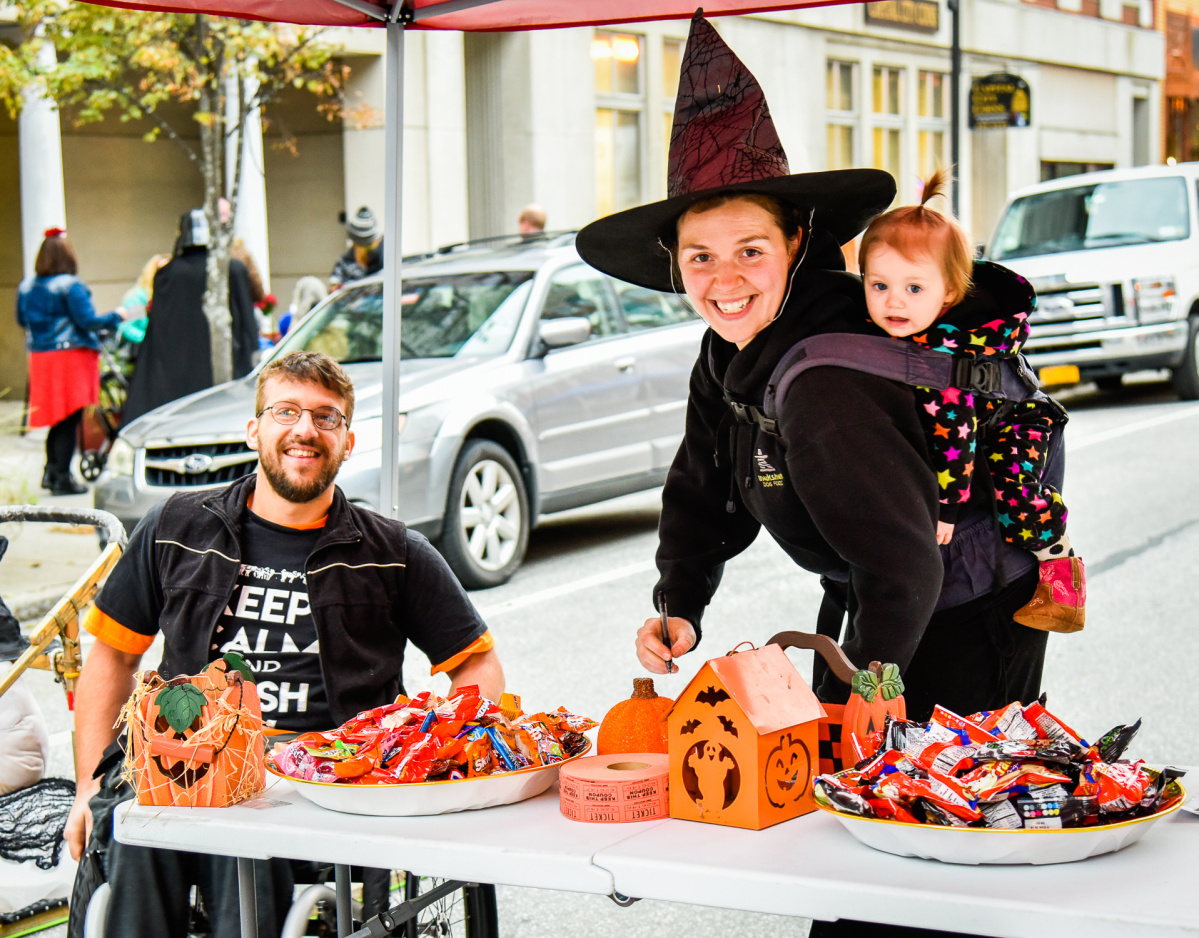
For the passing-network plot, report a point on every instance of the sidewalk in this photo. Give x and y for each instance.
(43, 560)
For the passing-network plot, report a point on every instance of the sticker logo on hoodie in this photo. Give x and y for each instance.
(768, 476)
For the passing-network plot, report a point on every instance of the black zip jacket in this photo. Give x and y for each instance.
(845, 487)
(372, 585)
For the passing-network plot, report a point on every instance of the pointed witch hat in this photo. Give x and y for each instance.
(723, 140)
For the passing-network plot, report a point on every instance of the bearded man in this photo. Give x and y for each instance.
(318, 595)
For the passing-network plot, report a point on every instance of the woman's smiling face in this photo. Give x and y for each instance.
(734, 260)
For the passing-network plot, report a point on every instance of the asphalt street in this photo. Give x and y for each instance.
(565, 624)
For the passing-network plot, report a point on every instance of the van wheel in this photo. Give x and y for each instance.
(1186, 375)
(487, 516)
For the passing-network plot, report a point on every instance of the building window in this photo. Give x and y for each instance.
(841, 106)
(932, 116)
(1056, 169)
(887, 118)
(620, 104)
(672, 63)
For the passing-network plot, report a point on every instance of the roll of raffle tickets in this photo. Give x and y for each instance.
(616, 788)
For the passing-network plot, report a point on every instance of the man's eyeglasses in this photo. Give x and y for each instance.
(287, 414)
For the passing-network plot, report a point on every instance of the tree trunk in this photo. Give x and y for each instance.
(212, 141)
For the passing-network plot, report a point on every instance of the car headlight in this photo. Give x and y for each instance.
(1155, 298)
(120, 458)
(368, 433)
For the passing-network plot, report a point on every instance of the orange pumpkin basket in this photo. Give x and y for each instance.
(195, 741)
(875, 692)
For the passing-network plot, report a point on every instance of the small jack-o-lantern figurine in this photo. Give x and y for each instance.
(196, 741)
(875, 692)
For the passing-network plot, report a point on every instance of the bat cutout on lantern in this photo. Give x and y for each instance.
(711, 696)
(728, 725)
(689, 727)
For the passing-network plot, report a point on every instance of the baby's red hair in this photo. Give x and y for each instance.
(917, 231)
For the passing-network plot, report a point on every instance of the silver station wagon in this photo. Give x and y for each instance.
(530, 384)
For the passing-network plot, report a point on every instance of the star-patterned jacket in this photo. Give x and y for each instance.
(992, 321)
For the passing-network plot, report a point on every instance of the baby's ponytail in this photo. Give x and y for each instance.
(917, 231)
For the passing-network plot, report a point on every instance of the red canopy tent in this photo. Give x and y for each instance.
(467, 16)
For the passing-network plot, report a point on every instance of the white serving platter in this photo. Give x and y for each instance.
(973, 845)
(414, 799)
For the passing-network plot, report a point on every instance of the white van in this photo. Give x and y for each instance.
(1114, 258)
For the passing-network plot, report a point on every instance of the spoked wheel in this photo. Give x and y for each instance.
(487, 516)
(468, 913)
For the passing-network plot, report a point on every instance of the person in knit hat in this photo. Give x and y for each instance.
(364, 256)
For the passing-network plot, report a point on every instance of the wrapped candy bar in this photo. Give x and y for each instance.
(1019, 767)
(430, 738)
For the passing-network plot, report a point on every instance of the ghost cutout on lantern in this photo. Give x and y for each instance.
(196, 741)
(742, 742)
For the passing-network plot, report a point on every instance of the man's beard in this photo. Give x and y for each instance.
(299, 493)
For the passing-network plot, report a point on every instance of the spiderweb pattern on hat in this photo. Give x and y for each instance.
(722, 133)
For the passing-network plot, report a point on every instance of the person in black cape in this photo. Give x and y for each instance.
(175, 358)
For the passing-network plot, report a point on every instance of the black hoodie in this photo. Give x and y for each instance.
(845, 487)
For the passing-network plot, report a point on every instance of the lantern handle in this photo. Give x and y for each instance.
(829, 650)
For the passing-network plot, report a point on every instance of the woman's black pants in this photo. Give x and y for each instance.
(60, 444)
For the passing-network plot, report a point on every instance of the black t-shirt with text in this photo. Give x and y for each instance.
(269, 623)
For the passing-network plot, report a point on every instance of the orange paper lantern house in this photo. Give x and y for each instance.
(195, 741)
(743, 742)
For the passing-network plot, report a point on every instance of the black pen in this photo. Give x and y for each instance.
(665, 629)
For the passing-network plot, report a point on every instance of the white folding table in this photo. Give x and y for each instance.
(808, 867)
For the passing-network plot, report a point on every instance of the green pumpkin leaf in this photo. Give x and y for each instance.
(238, 663)
(891, 685)
(181, 704)
(865, 685)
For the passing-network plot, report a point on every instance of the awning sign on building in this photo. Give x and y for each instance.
(920, 15)
(1000, 100)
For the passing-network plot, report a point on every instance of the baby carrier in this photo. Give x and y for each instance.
(1008, 380)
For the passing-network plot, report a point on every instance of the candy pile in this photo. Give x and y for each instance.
(429, 739)
(1019, 767)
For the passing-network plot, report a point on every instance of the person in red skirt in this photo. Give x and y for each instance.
(55, 308)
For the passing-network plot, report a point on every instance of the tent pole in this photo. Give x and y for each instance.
(393, 190)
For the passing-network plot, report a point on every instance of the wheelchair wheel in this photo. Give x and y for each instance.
(97, 912)
(468, 913)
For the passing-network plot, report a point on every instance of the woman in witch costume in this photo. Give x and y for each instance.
(842, 481)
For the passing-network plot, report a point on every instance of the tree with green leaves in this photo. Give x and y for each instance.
(128, 63)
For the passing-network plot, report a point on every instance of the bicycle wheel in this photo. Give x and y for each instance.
(468, 913)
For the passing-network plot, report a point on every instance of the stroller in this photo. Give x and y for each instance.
(102, 421)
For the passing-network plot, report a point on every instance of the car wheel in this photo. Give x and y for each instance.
(1186, 375)
(487, 516)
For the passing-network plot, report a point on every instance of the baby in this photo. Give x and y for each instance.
(918, 270)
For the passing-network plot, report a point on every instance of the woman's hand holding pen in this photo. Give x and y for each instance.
(651, 651)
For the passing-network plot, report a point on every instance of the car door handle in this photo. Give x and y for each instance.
(625, 364)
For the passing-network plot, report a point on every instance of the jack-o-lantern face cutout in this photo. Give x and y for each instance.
(178, 772)
(711, 776)
(180, 713)
(788, 768)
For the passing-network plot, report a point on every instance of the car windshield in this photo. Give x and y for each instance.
(442, 317)
(1106, 214)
